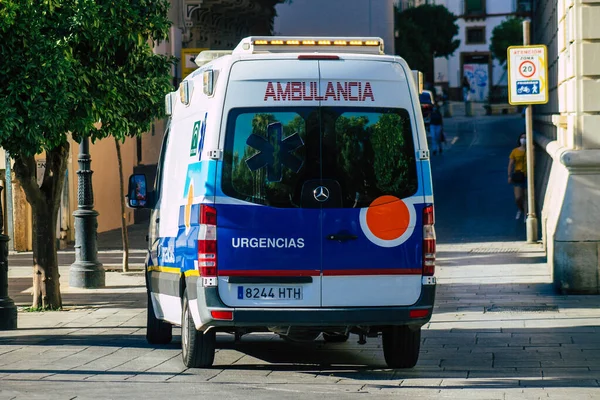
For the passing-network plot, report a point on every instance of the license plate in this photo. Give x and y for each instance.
(269, 292)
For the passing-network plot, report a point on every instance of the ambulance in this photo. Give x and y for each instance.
(293, 195)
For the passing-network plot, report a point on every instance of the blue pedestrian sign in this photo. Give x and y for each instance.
(528, 87)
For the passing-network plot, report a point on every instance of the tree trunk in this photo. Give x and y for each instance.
(45, 203)
(124, 236)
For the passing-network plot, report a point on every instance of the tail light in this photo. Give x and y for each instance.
(225, 315)
(207, 245)
(428, 242)
(419, 313)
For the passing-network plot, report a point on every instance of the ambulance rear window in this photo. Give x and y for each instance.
(271, 154)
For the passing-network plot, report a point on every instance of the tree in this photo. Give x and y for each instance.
(508, 33)
(425, 32)
(68, 65)
(124, 237)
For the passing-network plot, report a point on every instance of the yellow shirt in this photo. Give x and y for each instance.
(520, 159)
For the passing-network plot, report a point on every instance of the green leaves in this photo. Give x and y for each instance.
(508, 33)
(425, 32)
(67, 64)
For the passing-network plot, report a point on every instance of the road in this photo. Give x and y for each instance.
(473, 200)
(498, 329)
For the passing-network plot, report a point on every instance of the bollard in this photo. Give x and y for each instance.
(468, 108)
(8, 310)
(447, 106)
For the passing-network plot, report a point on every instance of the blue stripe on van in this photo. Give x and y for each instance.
(263, 227)
(200, 174)
(236, 222)
(425, 187)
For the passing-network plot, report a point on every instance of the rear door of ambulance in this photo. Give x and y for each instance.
(372, 226)
(269, 241)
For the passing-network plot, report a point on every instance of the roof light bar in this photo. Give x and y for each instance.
(313, 42)
(273, 44)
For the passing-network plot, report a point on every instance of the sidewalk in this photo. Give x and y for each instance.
(498, 332)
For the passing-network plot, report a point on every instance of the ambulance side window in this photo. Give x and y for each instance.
(161, 161)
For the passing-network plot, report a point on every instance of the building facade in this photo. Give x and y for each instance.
(568, 142)
(337, 18)
(473, 59)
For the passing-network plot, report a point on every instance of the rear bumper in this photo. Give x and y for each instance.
(207, 300)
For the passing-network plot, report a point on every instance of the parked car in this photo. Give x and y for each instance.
(427, 100)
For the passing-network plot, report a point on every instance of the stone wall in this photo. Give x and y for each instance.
(568, 133)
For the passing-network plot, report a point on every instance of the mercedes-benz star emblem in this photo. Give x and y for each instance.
(321, 194)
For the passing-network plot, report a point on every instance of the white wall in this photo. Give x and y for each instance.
(337, 18)
(449, 70)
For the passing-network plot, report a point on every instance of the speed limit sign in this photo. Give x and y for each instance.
(527, 75)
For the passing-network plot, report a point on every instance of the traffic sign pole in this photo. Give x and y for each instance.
(532, 223)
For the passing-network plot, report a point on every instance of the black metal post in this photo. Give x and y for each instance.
(8, 310)
(86, 271)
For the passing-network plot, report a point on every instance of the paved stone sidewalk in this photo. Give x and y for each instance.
(498, 332)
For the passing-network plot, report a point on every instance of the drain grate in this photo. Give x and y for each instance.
(521, 309)
(492, 250)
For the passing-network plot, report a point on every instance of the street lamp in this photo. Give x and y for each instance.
(86, 271)
(8, 310)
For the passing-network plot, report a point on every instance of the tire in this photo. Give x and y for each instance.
(401, 346)
(197, 348)
(335, 337)
(157, 331)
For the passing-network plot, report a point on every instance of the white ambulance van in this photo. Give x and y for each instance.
(293, 195)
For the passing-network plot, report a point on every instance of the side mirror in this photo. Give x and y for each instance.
(137, 194)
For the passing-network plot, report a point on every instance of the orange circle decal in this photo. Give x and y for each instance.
(388, 217)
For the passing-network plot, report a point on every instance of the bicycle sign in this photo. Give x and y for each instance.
(527, 75)
(528, 87)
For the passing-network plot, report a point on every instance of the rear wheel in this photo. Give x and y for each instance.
(335, 337)
(401, 346)
(197, 348)
(157, 331)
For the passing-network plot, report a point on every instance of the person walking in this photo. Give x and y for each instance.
(466, 87)
(517, 174)
(436, 127)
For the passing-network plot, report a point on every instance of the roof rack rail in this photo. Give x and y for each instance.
(207, 56)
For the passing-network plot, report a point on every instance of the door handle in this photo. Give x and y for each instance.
(341, 237)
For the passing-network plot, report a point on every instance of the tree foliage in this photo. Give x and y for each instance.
(425, 32)
(67, 65)
(508, 33)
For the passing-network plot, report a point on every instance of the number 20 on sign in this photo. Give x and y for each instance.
(527, 75)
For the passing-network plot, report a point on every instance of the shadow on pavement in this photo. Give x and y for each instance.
(125, 299)
(489, 260)
(478, 358)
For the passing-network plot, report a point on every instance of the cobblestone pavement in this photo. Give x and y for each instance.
(499, 331)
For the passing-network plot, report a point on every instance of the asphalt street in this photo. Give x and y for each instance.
(473, 201)
(498, 330)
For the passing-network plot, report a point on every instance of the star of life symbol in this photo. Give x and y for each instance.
(321, 194)
(274, 153)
